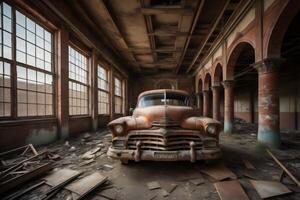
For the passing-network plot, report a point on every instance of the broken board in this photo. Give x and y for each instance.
(85, 185)
(267, 189)
(218, 172)
(230, 190)
(248, 164)
(60, 176)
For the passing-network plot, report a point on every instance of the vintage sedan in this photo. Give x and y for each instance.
(164, 127)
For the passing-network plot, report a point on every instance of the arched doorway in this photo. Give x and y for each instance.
(218, 93)
(207, 96)
(244, 100)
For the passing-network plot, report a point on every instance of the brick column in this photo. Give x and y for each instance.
(206, 103)
(216, 101)
(200, 102)
(62, 58)
(94, 90)
(268, 102)
(228, 106)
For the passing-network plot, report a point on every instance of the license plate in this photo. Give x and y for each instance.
(165, 156)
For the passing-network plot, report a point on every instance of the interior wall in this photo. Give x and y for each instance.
(244, 107)
(144, 83)
(289, 102)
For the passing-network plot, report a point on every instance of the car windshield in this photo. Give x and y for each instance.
(173, 99)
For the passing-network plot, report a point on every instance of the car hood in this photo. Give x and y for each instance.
(164, 115)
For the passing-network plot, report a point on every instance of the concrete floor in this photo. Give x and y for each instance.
(130, 181)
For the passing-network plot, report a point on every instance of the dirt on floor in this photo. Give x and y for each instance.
(129, 182)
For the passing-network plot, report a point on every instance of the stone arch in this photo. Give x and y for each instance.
(279, 28)
(207, 82)
(218, 75)
(200, 85)
(166, 84)
(234, 55)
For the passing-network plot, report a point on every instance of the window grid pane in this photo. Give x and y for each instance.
(103, 91)
(33, 43)
(5, 89)
(6, 31)
(78, 79)
(118, 96)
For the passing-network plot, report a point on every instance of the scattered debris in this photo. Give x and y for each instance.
(60, 176)
(267, 189)
(197, 181)
(21, 193)
(110, 194)
(87, 162)
(107, 166)
(90, 154)
(24, 170)
(72, 149)
(284, 168)
(85, 185)
(229, 190)
(218, 172)
(164, 193)
(248, 164)
(153, 185)
(171, 187)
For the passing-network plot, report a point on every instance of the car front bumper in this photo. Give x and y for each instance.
(181, 155)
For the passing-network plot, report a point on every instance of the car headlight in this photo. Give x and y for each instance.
(212, 129)
(119, 128)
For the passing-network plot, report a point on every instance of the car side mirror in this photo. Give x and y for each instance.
(131, 110)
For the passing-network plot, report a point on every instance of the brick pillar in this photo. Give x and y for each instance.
(228, 106)
(62, 58)
(206, 103)
(200, 102)
(268, 102)
(94, 90)
(216, 101)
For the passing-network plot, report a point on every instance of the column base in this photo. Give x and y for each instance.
(228, 127)
(268, 138)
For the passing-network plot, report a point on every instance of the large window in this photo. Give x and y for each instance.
(118, 96)
(78, 83)
(32, 64)
(103, 91)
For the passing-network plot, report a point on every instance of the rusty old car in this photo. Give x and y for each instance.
(164, 127)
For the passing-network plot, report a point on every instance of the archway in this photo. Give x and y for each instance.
(245, 87)
(289, 78)
(218, 93)
(207, 96)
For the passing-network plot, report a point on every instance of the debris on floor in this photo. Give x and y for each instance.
(144, 180)
(153, 185)
(218, 172)
(267, 189)
(229, 190)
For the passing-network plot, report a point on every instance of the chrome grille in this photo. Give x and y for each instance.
(162, 140)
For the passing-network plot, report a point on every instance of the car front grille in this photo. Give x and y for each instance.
(164, 140)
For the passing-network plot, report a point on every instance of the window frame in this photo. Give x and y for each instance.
(14, 64)
(85, 53)
(119, 96)
(108, 91)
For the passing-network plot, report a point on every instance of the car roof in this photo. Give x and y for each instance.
(158, 91)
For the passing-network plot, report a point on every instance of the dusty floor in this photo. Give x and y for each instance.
(130, 181)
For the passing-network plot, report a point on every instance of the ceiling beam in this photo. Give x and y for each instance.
(158, 11)
(116, 27)
(208, 36)
(195, 20)
(156, 50)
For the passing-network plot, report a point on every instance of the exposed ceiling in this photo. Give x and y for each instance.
(157, 36)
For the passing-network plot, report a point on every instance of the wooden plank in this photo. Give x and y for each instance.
(60, 176)
(11, 183)
(85, 185)
(218, 172)
(21, 193)
(230, 190)
(267, 189)
(284, 168)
